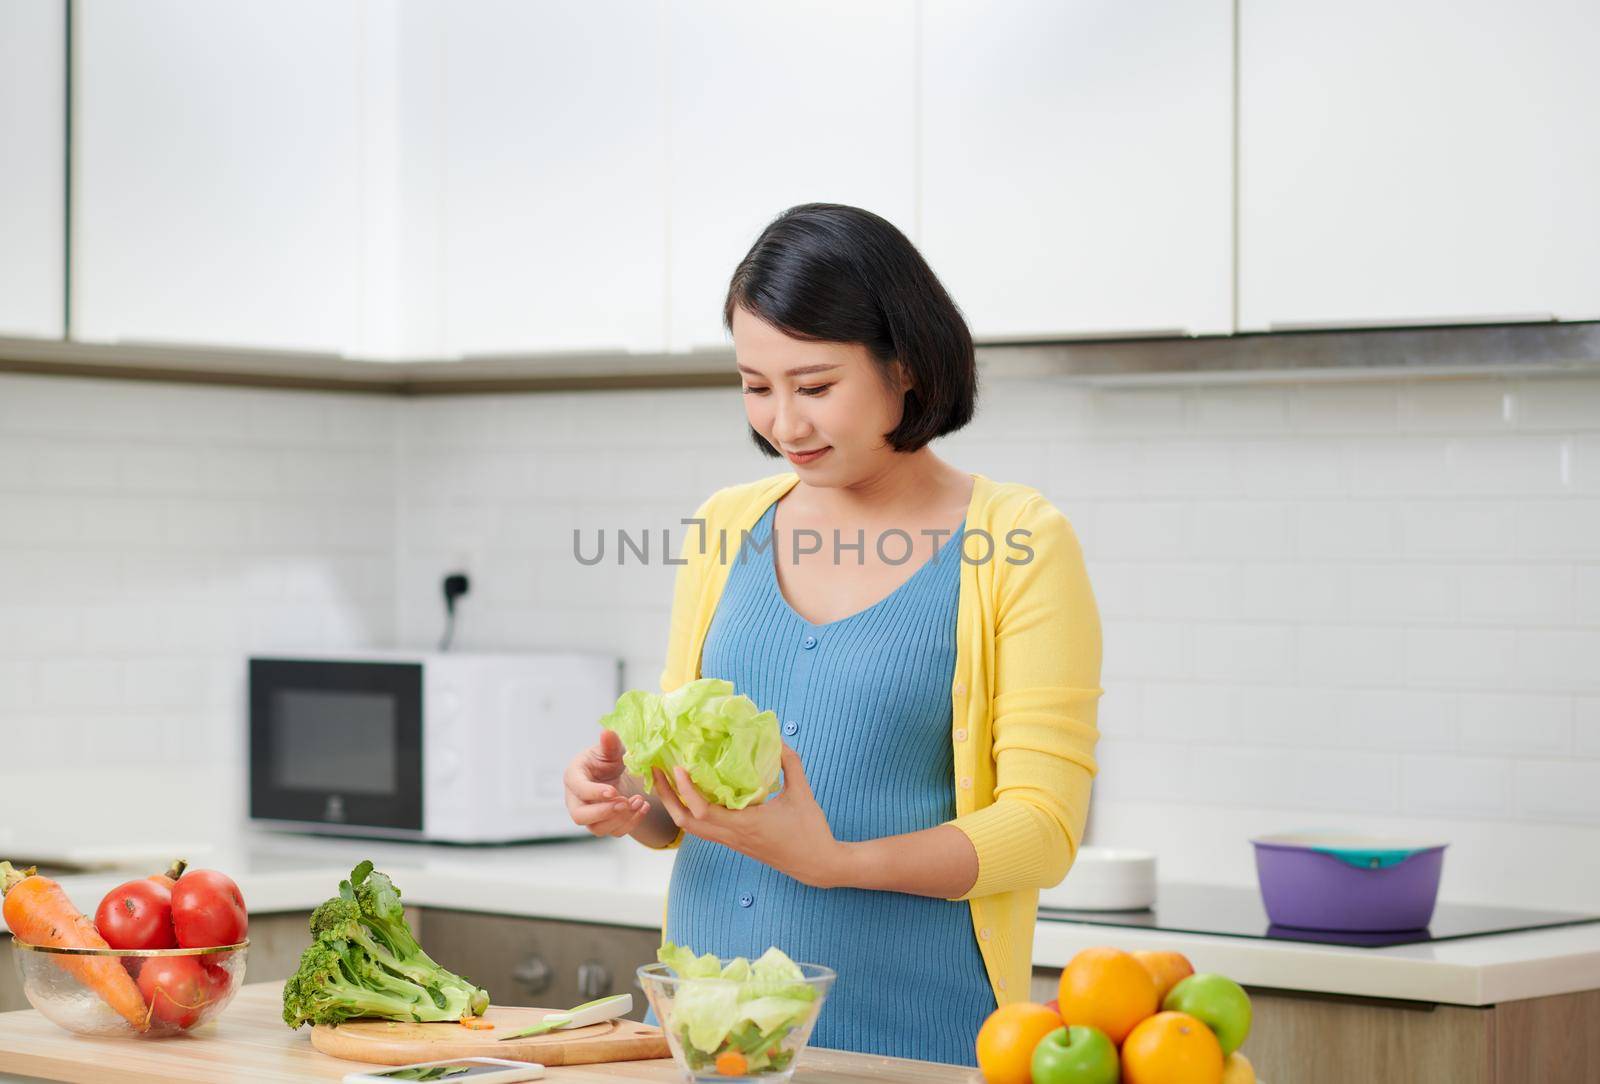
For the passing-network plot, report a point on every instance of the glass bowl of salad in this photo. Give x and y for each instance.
(729, 1018)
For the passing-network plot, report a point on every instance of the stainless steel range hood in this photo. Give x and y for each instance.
(1339, 354)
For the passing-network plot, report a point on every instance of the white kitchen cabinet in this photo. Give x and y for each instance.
(551, 155)
(1076, 164)
(33, 64)
(1423, 162)
(772, 105)
(220, 169)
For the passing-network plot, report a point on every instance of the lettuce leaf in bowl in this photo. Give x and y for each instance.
(744, 1005)
(689, 966)
(705, 1011)
(730, 747)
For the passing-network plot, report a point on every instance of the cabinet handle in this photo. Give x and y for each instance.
(593, 980)
(575, 353)
(1088, 337)
(533, 975)
(1420, 322)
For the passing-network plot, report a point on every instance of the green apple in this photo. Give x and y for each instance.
(1218, 1002)
(1075, 1055)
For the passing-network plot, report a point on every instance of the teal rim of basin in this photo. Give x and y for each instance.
(1368, 859)
(1369, 852)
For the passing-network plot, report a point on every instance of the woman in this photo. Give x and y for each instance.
(936, 692)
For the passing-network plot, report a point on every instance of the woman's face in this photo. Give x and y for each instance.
(809, 397)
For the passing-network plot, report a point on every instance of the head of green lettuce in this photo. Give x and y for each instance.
(731, 749)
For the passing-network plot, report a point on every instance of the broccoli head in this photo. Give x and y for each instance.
(364, 961)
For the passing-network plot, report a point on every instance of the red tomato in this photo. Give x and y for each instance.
(217, 978)
(208, 910)
(136, 915)
(175, 988)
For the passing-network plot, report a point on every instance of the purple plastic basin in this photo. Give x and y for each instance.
(1341, 888)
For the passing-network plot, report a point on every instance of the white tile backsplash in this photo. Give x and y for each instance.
(1342, 530)
(1133, 530)
(1238, 530)
(1516, 724)
(1391, 593)
(1368, 409)
(1368, 605)
(150, 536)
(1476, 405)
(1344, 656)
(1261, 652)
(1559, 658)
(1456, 786)
(1399, 466)
(1246, 409)
(1548, 529)
(1586, 726)
(1583, 463)
(1462, 658)
(1185, 712)
(1562, 790)
(1558, 403)
(1283, 715)
(1437, 528)
(1312, 469)
(1510, 466)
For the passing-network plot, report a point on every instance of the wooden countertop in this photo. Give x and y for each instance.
(248, 1042)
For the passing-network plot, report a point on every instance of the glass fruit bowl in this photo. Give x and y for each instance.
(707, 1049)
(168, 991)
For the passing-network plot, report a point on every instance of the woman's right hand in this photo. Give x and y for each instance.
(595, 798)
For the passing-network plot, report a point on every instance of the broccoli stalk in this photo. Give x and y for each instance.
(365, 962)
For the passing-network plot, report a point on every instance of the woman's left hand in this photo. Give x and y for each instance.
(788, 832)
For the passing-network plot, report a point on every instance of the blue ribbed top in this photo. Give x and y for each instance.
(865, 701)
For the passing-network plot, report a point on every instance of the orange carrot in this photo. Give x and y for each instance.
(39, 913)
(476, 1023)
(732, 1063)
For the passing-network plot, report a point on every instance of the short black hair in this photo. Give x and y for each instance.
(826, 272)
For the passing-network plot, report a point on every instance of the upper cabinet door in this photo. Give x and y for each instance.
(1426, 161)
(773, 105)
(218, 173)
(1076, 164)
(552, 159)
(33, 65)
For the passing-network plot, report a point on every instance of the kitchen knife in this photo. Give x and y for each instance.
(590, 1012)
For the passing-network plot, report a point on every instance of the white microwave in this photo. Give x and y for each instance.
(443, 746)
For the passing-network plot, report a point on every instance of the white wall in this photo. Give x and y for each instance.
(1365, 605)
(150, 537)
(1373, 605)
(501, 482)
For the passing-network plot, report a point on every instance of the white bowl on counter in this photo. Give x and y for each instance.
(1105, 879)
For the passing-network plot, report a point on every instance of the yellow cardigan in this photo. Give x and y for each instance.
(1023, 696)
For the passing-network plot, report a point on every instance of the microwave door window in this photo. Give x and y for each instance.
(329, 741)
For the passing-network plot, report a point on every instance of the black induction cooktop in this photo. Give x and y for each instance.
(1237, 912)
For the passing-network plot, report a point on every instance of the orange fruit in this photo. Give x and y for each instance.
(1007, 1039)
(1167, 968)
(1108, 989)
(1171, 1048)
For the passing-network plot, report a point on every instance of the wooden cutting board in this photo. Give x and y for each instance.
(388, 1042)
